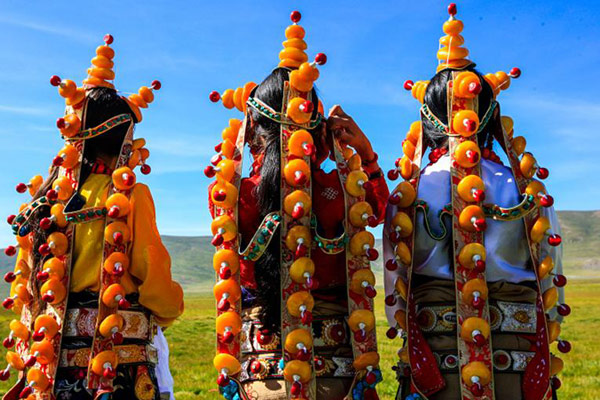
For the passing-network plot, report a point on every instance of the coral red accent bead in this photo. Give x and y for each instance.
(128, 179)
(60, 123)
(391, 265)
(10, 219)
(321, 58)
(300, 178)
(118, 237)
(124, 304)
(554, 240)
(390, 300)
(37, 336)
(478, 303)
(220, 195)
(296, 389)
(300, 251)
(42, 276)
(30, 362)
(10, 251)
(408, 84)
(480, 266)
(58, 161)
(391, 333)
(45, 223)
(108, 38)
(264, 337)
(8, 342)
(28, 391)
(109, 373)
(555, 382)
(360, 335)
(55, 80)
(394, 199)
(52, 194)
(307, 317)
(564, 346)
(8, 303)
(44, 249)
(479, 195)
(228, 337)
(563, 310)
(209, 171)
(452, 9)
(295, 16)
(117, 338)
(255, 367)
(474, 88)
(470, 125)
(370, 292)
(480, 224)
(298, 212)
(219, 147)
(479, 340)
(4, 375)
(303, 355)
(372, 221)
(472, 156)
(542, 173)
(217, 240)
(223, 305)
(21, 188)
(307, 107)
(113, 212)
(476, 389)
(560, 280)
(156, 85)
(214, 96)
(146, 169)
(515, 73)
(547, 201)
(48, 298)
(10, 277)
(372, 254)
(222, 380)
(393, 174)
(370, 378)
(224, 272)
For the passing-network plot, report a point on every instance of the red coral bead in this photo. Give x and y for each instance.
(560, 280)
(515, 72)
(214, 96)
(55, 80)
(156, 85)
(321, 58)
(452, 9)
(408, 84)
(295, 16)
(108, 38)
(563, 310)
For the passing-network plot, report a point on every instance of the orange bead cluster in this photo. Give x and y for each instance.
(234, 97)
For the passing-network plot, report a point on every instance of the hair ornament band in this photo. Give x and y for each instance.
(443, 128)
(102, 128)
(278, 117)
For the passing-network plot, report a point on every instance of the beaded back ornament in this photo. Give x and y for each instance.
(36, 336)
(298, 365)
(469, 213)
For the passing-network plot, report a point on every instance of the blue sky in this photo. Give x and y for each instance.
(373, 46)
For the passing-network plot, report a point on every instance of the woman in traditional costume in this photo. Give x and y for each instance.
(473, 262)
(294, 289)
(92, 282)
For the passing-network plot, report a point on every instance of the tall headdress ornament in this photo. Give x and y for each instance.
(293, 221)
(469, 212)
(37, 336)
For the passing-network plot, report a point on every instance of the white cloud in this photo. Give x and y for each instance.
(73, 34)
(33, 111)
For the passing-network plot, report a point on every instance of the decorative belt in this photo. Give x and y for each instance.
(81, 322)
(503, 360)
(128, 354)
(504, 317)
(270, 366)
(327, 333)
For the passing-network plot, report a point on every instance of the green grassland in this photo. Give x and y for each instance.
(191, 338)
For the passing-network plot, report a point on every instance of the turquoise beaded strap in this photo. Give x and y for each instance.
(262, 237)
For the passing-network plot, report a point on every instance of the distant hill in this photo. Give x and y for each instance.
(192, 265)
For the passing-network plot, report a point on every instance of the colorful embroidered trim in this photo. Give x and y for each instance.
(421, 205)
(280, 118)
(329, 246)
(526, 207)
(19, 224)
(102, 128)
(440, 126)
(262, 237)
(87, 215)
(128, 354)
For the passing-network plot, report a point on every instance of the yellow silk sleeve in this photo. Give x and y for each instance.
(150, 261)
